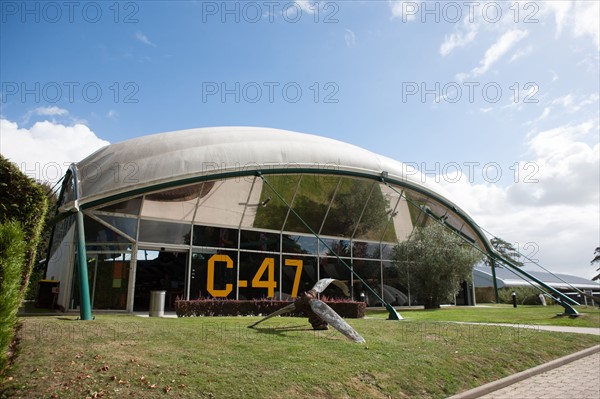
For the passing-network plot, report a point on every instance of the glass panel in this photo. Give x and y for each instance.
(97, 233)
(164, 232)
(159, 270)
(60, 231)
(170, 210)
(347, 207)
(213, 274)
(259, 275)
(224, 203)
(111, 285)
(270, 210)
(370, 272)
(179, 194)
(332, 267)
(395, 288)
(299, 244)
(311, 202)
(332, 247)
(386, 251)
(259, 241)
(374, 220)
(126, 225)
(129, 207)
(298, 274)
(209, 236)
(365, 250)
(112, 248)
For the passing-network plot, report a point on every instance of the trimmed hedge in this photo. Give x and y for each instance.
(24, 201)
(257, 307)
(12, 254)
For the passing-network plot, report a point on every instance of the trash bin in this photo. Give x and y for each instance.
(47, 293)
(157, 303)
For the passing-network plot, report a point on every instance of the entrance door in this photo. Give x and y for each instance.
(159, 270)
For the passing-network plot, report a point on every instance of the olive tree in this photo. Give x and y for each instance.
(434, 262)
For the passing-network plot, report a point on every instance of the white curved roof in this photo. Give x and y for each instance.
(166, 157)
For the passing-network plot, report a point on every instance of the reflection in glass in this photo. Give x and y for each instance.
(259, 241)
(271, 211)
(395, 288)
(362, 249)
(333, 247)
(97, 233)
(108, 279)
(299, 244)
(220, 237)
(129, 207)
(159, 270)
(370, 272)
(126, 225)
(164, 232)
(311, 203)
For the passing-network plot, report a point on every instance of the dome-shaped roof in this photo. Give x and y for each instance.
(159, 159)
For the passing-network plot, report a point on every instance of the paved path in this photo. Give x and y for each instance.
(579, 379)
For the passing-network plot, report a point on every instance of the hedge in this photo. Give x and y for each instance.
(12, 254)
(24, 201)
(258, 307)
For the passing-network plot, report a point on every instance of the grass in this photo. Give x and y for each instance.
(128, 356)
(522, 314)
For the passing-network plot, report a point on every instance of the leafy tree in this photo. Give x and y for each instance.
(507, 250)
(439, 262)
(596, 260)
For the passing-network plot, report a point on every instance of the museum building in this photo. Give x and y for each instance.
(239, 213)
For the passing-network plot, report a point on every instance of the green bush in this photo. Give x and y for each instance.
(12, 255)
(24, 201)
(525, 296)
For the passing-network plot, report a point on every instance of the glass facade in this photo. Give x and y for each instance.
(245, 238)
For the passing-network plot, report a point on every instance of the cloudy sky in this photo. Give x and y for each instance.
(496, 101)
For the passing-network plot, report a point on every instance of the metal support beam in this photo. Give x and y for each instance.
(493, 265)
(393, 314)
(85, 309)
(561, 298)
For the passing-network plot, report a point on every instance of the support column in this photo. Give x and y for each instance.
(85, 310)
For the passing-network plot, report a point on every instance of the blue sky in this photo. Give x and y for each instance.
(497, 102)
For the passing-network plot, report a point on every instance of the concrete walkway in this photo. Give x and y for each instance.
(573, 376)
(564, 329)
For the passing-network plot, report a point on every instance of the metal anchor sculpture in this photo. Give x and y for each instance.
(319, 313)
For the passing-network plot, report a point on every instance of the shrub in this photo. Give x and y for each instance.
(12, 255)
(256, 307)
(24, 201)
(525, 296)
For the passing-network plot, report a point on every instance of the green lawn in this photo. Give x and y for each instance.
(128, 356)
(523, 314)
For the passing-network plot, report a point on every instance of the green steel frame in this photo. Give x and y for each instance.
(562, 299)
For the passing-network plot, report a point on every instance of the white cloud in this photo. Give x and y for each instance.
(306, 6)
(552, 203)
(521, 53)
(350, 38)
(498, 49)
(459, 38)
(45, 150)
(405, 10)
(144, 39)
(45, 111)
(112, 114)
(581, 18)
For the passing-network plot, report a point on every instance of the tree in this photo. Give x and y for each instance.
(596, 260)
(438, 263)
(507, 250)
